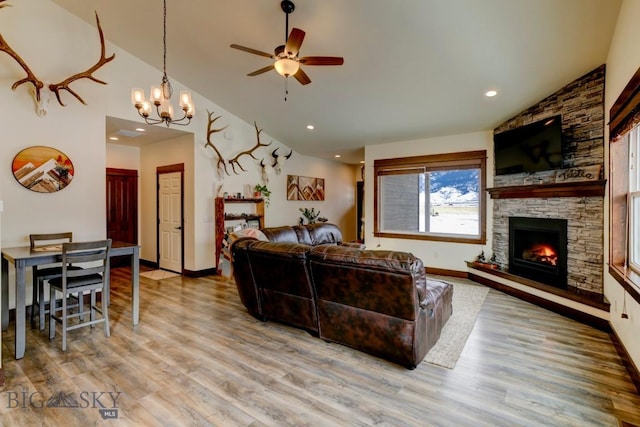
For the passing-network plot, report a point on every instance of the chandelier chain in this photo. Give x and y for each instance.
(165, 78)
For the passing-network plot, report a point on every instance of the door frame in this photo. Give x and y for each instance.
(179, 167)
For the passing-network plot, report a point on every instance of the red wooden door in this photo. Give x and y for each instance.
(122, 205)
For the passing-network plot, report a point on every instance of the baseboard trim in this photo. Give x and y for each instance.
(149, 264)
(200, 273)
(627, 361)
(446, 272)
(580, 316)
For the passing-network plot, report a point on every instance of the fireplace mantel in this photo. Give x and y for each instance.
(562, 189)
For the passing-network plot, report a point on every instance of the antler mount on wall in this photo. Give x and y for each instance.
(222, 164)
(42, 90)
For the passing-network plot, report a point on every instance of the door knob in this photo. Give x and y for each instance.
(178, 228)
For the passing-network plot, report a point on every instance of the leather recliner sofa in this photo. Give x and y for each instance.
(379, 302)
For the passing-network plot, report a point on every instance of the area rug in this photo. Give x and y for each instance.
(467, 302)
(159, 274)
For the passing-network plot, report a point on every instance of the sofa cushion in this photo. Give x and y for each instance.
(303, 234)
(281, 234)
(324, 233)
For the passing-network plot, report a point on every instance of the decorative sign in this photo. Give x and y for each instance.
(42, 169)
(304, 188)
(582, 173)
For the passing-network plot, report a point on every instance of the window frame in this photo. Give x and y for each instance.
(428, 163)
(624, 116)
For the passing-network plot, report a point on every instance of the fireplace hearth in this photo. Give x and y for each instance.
(538, 249)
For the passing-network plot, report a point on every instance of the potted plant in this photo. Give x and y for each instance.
(262, 191)
(310, 214)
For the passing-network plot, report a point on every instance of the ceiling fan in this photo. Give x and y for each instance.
(286, 60)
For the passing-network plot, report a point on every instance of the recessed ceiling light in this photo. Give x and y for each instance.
(310, 127)
(140, 129)
(491, 93)
(337, 156)
(113, 138)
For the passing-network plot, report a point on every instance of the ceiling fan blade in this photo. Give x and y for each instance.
(261, 70)
(302, 77)
(321, 60)
(248, 49)
(294, 41)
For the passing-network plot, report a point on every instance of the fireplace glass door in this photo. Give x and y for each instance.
(538, 249)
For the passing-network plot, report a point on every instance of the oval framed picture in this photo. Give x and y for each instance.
(42, 169)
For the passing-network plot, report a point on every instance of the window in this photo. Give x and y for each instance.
(624, 188)
(437, 197)
(634, 199)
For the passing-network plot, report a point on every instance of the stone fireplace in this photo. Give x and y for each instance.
(570, 204)
(538, 249)
(579, 205)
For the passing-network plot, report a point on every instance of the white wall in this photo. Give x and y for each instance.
(622, 63)
(123, 157)
(443, 255)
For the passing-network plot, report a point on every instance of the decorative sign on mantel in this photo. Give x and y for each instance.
(582, 173)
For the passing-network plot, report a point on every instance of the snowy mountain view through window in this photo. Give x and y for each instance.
(453, 202)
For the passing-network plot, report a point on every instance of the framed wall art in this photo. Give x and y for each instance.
(305, 188)
(42, 169)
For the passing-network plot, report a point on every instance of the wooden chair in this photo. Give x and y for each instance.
(41, 242)
(91, 278)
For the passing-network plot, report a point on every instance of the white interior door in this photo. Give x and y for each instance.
(170, 221)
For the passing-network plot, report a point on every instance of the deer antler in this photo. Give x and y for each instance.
(233, 162)
(31, 77)
(210, 131)
(38, 85)
(64, 85)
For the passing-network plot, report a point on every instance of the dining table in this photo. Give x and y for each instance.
(23, 256)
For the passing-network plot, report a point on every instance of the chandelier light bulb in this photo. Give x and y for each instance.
(155, 95)
(137, 97)
(146, 109)
(185, 100)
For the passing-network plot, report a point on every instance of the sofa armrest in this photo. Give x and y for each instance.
(433, 291)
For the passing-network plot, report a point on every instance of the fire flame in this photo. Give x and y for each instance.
(542, 253)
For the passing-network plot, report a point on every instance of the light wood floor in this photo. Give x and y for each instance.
(198, 358)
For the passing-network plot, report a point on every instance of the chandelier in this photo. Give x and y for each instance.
(160, 96)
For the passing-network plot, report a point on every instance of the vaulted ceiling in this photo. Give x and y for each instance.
(412, 68)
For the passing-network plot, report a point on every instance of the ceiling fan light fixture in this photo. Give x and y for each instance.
(287, 67)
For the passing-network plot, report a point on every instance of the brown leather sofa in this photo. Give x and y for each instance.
(379, 302)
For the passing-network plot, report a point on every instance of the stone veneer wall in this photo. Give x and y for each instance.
(581, 104)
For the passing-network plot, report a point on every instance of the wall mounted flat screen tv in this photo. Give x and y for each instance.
(531, 148)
